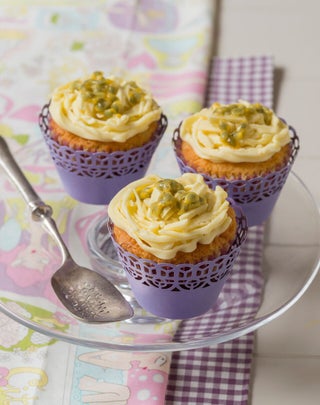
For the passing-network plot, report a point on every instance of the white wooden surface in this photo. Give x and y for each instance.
(287, 355)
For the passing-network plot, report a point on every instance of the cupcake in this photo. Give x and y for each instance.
(102, 133)
(177, 240)
(245, 148)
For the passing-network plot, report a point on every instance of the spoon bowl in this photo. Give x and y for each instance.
(86, 294)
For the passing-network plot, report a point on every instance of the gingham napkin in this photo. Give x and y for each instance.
(220, 375)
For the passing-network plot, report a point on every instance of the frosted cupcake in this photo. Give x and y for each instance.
(177, 240)
(243, 147)
(102, 133)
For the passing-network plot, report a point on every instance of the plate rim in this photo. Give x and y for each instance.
(172, 346)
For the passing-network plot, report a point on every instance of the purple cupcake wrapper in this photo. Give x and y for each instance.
(258, 195)
(95, 177)
(180, 291)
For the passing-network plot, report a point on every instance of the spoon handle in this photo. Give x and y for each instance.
(40, 211)
(16, 175)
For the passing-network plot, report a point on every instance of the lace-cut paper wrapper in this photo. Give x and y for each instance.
(180, 291)
(256, 196)
(95, 177)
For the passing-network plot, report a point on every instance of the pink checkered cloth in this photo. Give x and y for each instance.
(220, 375)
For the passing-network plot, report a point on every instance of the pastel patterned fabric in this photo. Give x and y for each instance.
(165, 46)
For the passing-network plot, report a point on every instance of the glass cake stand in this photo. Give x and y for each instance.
(28, 259)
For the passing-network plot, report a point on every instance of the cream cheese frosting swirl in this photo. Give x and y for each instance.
(106, 109)
(240, 132)
(165, 216)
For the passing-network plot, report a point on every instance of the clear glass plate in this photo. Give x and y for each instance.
(28, 259)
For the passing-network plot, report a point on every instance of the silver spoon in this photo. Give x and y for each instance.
(85, 293)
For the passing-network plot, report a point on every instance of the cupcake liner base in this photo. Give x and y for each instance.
(92, 190)
(95, 177)
(258, 212)
(175, 304)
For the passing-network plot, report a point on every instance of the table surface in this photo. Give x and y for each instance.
(287, 354)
